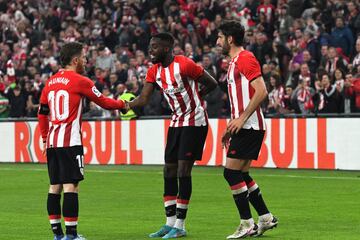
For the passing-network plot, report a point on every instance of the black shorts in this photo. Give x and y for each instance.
(185, 143)
(65, 165)
(246, 144)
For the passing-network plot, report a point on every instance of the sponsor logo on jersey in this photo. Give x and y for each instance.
(96, 91)
(174, 90)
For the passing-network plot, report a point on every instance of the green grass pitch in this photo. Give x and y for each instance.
(125, 202)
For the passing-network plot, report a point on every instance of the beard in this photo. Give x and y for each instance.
(226, 49)
(80, 68)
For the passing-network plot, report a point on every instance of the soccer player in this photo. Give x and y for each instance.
(179, 78)
(245, 131)
(62, 97)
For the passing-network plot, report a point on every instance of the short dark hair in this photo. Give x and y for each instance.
(168, 38)
(68, 51)
(235, 29)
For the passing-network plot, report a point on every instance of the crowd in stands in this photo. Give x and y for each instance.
(309, 50)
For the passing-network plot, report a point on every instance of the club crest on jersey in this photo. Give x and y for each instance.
(96, 91)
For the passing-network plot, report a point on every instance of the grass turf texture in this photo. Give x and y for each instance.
(125, 202)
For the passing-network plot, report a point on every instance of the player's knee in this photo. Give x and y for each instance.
(183, 173)
(247, 177)
(227, 174)
(55, 189)
(232, 176)
(71, 187)
(184, 169)
(170, 170)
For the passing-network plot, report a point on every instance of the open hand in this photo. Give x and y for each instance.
(225, 139)
(235, 125)
(44, 149)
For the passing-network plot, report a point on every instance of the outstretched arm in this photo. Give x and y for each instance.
(208, 83)
(88, 89)
(144, 97)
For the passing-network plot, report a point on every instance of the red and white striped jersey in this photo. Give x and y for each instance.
(268, 10)
(62, 95)
(276, 95)
(180, 88)
(242, 70)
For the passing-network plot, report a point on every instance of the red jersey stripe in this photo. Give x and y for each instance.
(260, 120)
(48, 137)
(169, 75)
(192, 102)
(67, 135)
(56, 135)
(239, 95)
(231, 102)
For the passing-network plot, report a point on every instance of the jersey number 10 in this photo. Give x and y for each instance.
(59, 105)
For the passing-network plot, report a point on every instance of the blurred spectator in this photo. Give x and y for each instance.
(32, 96)
(304, 75)
(4, 103)
(284, 23)
(268, 10)
(312, 45)
(276, 95)
(356, 60)
(104, 60)
(282, 55)
(352, 89)
(342, 37)
(304, 94)
(120, 89)
(213, 102)
(331, 96)
(288, 100)
(353, 17)
(265, 26)
(309, 61)
(266, 73)
(113, 82)
(94, 111)
(295, 8)
(208, 66)
(333, 61)
(17, 102)
(261, 48)
(110, 38)
(107, 93)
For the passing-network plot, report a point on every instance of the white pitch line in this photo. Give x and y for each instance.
(201, 174)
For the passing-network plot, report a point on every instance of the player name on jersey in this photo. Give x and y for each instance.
(62, 80)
